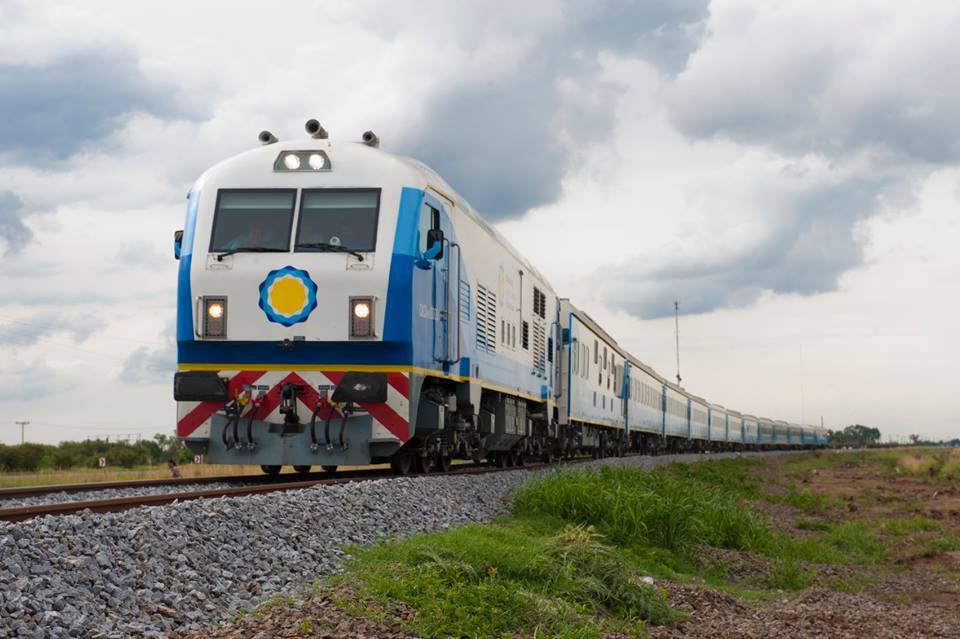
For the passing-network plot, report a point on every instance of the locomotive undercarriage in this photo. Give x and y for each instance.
(452, 421)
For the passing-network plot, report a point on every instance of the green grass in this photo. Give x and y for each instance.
(809, 502)
(911, 525)
(636, 508)
(789, 574)
(498, 580)
(945, 543)
(568, 563)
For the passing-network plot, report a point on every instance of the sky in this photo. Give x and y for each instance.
(788, 171)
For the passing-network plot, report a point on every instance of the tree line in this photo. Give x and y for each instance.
(860, 435)
(87, 454)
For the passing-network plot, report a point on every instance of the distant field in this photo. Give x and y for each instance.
(90, 475)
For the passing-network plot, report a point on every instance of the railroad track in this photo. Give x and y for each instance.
(38, 491)
(256, 487)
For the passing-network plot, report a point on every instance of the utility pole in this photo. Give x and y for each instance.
(676, 319)
(22, 425)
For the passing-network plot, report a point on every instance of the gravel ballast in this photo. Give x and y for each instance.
(159, 570)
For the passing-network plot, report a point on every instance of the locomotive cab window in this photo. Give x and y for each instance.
(254, 220)
(335, 218)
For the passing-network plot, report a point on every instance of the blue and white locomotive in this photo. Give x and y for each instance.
(339, 305)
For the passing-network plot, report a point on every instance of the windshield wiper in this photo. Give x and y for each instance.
(327, 246)
(250, 249)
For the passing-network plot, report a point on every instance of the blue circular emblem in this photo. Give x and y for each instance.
(288, 296)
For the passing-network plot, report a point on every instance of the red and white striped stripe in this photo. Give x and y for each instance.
(390, 418)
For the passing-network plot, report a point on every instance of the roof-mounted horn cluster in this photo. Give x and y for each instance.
(317, 132)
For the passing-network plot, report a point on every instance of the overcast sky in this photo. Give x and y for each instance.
(788, 171)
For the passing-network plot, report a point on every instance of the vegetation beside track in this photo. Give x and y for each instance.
(576, 556)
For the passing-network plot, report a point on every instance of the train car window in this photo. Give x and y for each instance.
(338, 218)
(252, 219)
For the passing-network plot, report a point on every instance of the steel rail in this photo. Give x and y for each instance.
(47, 489)
(119, 504)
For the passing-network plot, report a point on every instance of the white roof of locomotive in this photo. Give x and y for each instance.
(365, 166)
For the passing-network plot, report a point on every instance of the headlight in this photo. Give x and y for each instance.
(291, 161)
(361, 310)
(215, 317)
(316, 161)
(302, 162)
(361, 317)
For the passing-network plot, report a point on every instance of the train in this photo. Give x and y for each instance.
(339, 305)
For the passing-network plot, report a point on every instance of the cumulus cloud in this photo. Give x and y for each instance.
(56, 109)
(506, 129)
(13, 231)
(809, 242)
(825, 78)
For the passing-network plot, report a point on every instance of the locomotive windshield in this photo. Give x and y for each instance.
(253, 220)
(331, 219)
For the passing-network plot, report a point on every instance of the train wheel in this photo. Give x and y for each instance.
(400, 463)
(424, 463)
(270, 470)
(443, 463)
(329, 468)
(500, 458)
(518, 458)
(303, 470)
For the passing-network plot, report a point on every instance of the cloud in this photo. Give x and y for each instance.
(52, 111)
(13, 231)
(29, 381)
(829, 79)
(25, 332)
(150, 366)
(146, 365)
(809, 241)
(507, 128)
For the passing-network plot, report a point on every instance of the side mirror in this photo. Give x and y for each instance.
(177, 243)
(434, 244)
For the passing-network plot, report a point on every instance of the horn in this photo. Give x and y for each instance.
(370, 139)
(266, 137)
(315, 130)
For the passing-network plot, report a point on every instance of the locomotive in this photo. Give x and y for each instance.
(339, 305)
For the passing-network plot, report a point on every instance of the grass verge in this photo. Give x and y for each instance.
(517, 576)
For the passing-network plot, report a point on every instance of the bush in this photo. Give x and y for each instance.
(25, 457)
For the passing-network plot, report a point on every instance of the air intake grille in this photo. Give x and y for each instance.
(486, 304)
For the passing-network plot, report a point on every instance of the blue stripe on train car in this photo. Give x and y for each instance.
(398, 316)
(184, 297)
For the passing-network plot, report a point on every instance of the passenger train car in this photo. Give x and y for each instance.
(340, 305)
